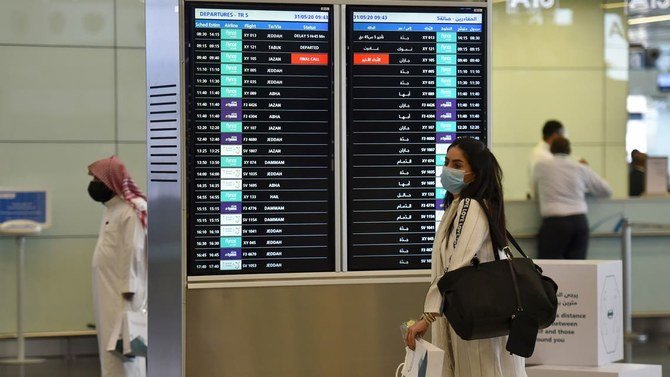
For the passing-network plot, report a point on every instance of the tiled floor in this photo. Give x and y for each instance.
(656, 351)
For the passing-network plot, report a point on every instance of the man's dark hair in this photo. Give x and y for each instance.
(551, 127)
(634, 155)
(638, 158)
(560, 145)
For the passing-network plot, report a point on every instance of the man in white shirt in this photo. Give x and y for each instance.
(551, 130)
(562, 185)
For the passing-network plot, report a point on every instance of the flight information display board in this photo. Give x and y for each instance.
(259, 139)
(416, 80)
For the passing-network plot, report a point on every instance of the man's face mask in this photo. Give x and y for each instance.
(99, 191)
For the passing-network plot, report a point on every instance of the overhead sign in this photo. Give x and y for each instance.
(530, 4)
(646, 5)
(24, 204)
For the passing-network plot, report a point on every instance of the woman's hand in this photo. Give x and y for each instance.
(416, 330)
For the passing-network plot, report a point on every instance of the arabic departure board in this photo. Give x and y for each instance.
(259, 139)
(416, 80)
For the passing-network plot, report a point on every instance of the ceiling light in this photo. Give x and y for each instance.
(647, 20)
(613, 5)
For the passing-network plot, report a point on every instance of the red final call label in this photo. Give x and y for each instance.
(313, 59)
(365, 58)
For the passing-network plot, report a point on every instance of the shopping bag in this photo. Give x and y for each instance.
(425, 361)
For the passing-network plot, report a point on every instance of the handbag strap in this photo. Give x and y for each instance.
(515, 284)
(511, 239)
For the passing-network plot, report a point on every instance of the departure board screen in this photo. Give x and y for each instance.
(416, 80)
(259, 138)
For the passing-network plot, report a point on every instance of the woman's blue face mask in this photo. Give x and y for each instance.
(453, 179)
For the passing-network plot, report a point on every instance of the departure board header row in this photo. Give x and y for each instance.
(261, 132)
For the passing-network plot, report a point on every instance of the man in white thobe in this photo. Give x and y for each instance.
(119, 262)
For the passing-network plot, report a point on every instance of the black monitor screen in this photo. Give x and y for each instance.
(416, 80)
(259, 138)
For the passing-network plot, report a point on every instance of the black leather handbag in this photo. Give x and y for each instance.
(502, 297)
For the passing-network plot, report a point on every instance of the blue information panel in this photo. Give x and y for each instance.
(23, 205)
(416, 80)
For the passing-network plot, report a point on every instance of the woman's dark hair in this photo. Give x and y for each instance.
(486, 187)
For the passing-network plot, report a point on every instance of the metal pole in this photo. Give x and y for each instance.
(626, 260)
(626, 235)
(20, 264)
(626, 243)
